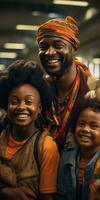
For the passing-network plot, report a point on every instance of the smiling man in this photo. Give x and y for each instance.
(58, 41)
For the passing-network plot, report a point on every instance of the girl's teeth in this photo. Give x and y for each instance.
(22, 116)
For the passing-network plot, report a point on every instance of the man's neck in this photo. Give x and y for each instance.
(65, 82)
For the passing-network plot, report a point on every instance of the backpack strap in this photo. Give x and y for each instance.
(36, 154)
(38, 146)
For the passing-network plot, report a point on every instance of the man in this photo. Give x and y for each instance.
(58, 41)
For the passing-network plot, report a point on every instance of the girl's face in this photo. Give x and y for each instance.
(88, 129)
(23, 105)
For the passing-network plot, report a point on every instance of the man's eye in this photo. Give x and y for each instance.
(42, 47)
(59, 45)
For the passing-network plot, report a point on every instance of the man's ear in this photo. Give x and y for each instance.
(74, 52)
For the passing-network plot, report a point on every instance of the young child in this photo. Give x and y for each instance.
(79, 170)
(23, 93)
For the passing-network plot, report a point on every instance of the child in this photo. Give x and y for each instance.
(79, 170)
(23, 93)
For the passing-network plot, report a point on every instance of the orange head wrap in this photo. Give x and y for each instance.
(66, 29)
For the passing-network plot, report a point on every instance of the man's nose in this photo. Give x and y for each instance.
(51, 50)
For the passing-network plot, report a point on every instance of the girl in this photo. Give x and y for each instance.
(23, 93)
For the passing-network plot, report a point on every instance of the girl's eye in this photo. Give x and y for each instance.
(13, 101)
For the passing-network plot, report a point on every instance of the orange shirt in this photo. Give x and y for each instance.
(13, 147)
(49, 166)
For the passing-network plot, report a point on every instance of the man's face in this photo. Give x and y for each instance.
(56, 55)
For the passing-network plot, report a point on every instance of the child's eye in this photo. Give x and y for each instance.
(95, 126)
(80, 123)
(29, 101)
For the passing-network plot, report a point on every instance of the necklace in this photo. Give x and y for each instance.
(59, 115)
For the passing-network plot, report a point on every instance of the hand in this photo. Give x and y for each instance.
(18, 193)
(90, 95)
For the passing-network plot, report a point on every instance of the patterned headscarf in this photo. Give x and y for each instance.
(66, 29)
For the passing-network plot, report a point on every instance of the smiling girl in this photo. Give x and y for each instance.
(23, 94)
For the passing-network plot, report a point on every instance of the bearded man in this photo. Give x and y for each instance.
(58, 41)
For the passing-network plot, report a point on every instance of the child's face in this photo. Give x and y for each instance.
(23, 105)
(88, 129)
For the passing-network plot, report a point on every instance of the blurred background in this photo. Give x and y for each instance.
(19, 20)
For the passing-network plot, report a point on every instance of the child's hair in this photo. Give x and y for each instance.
(93, 104)
(20, 72)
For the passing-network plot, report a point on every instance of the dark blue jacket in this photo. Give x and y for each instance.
(67, 175)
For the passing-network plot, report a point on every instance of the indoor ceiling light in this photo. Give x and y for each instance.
(72, 3)
(36, 13)
(79, 58)
(14, 46)
(2, 66)
(96, 60)
(26, 27)
(90, 13)
(53, 15)
(11, 55)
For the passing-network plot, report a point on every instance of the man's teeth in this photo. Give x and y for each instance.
(52, 61)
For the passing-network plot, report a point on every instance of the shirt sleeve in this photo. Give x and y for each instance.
(49, 166)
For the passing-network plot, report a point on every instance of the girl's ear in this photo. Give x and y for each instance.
(40, 109)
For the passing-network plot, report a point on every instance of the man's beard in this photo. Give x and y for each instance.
(66, 66)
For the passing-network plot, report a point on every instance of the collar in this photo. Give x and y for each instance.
(70, 156)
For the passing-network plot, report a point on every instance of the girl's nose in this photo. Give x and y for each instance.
(21, 105)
